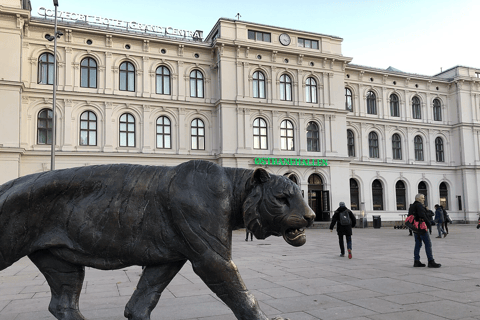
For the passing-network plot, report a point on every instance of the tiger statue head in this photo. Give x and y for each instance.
(275, 206)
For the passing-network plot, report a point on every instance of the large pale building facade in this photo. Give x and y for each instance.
(244, 95)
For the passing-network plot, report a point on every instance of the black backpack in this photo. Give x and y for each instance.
(345, 218)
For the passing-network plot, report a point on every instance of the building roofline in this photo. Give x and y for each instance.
(273, 27)
(400, 73)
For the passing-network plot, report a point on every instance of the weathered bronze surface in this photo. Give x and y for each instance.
(114, 216)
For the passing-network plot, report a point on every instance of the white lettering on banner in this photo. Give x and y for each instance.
(42, 11)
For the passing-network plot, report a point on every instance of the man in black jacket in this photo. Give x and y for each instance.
(344, 227)
(419, 212)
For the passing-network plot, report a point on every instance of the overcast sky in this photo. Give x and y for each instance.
(416, 36)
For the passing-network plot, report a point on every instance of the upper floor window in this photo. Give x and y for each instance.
(164, 133)
(259, 36)
(45, 68)
(88, 73)
(418, 145)
(88, 129)
(394, 106)
(397, 147)
(196, 84)
(285, 87)
(307, 43)
(351, 143)
(44, 126)
(260, 134)
(439, 150)
(258, 85)
(416, 110)
(127, 76)
(348, 100)
(437, 110)
(163, 80)
(373, 145)
(198, 134)
(371, 103)
(313, 140)
(286, 136)
(311, 90)
(127, 130)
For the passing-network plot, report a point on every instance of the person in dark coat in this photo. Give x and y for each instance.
(418, 210)
(343, 230)
(439, 221)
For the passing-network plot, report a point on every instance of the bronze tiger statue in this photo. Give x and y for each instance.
(114, 216)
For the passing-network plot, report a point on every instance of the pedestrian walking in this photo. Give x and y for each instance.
(439, 221)
(345, 221)
(446, 220)
(417, 209)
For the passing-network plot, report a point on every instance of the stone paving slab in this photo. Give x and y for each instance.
(306, 283)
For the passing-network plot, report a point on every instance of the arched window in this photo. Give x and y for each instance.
(348, 100)
(373, 145)
(422, 188)
(260, 138)
(258, 85)
(88, 129)
(44, 126)
(196, 84)
(311, 90)
(286, 136)
(354, 195)
(285, 87)
(164, 133)
(127, 130)
(351, 143)
(437, 110)
(198, 134)
(127, 76)
(163, 80)
(439, 150)
(394, 106)
(46, 63)
(313, 140)
(371, 103)
(400, 195)
(377, 195)
(397, 147)
(416, 110)
(444, 195)
(418, 144)
(88, 73)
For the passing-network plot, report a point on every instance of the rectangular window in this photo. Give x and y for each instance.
(259, 36)
(307, 43)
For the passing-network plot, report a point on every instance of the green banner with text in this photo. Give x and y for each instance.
(291, 162)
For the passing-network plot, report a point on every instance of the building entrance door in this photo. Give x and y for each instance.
(318, 199)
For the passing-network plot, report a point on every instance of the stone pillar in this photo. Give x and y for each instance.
(109, 129)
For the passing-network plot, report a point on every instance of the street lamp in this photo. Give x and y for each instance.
(54, 38)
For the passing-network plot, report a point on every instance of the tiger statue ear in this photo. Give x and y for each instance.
(260, 175)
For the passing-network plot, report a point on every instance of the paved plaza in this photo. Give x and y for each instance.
(305, 283)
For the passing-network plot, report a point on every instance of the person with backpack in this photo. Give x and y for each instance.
(345, 221)
(417, 209)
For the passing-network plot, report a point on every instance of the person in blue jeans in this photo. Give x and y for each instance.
(422, 236)
(343, 228)
(439, 221)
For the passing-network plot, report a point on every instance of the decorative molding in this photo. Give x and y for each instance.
(108, 41)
